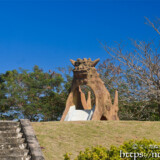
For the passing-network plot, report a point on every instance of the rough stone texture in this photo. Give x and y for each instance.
(31, 140)
(89, 101)
(85, 104)
(85, 74)
(12, 145)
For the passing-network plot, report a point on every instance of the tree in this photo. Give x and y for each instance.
(3, 106)
(25, 93)
(139, 72)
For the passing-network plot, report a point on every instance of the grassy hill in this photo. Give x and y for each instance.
(57, 138)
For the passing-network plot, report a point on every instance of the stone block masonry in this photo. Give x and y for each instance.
(31, 140)
(18, 141)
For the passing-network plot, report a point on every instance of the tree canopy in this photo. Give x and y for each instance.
(137, 77)
(31, 95)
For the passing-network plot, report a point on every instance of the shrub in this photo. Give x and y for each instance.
(131, 150)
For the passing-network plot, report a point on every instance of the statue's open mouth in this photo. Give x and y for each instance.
(80, 74)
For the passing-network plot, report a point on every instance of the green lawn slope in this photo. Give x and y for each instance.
(57, 138)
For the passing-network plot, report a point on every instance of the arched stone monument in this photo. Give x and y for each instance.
(85, 73)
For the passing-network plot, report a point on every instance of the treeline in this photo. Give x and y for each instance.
(35, 95)
(41, 96)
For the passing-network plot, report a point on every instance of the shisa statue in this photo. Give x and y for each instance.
(85, 73)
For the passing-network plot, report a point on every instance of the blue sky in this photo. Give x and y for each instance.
(49, 33)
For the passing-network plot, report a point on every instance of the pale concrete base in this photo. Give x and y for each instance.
(78, 115)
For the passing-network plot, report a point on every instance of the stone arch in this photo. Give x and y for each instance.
(85, 74)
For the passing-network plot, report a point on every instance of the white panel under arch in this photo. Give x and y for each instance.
(78, 115)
